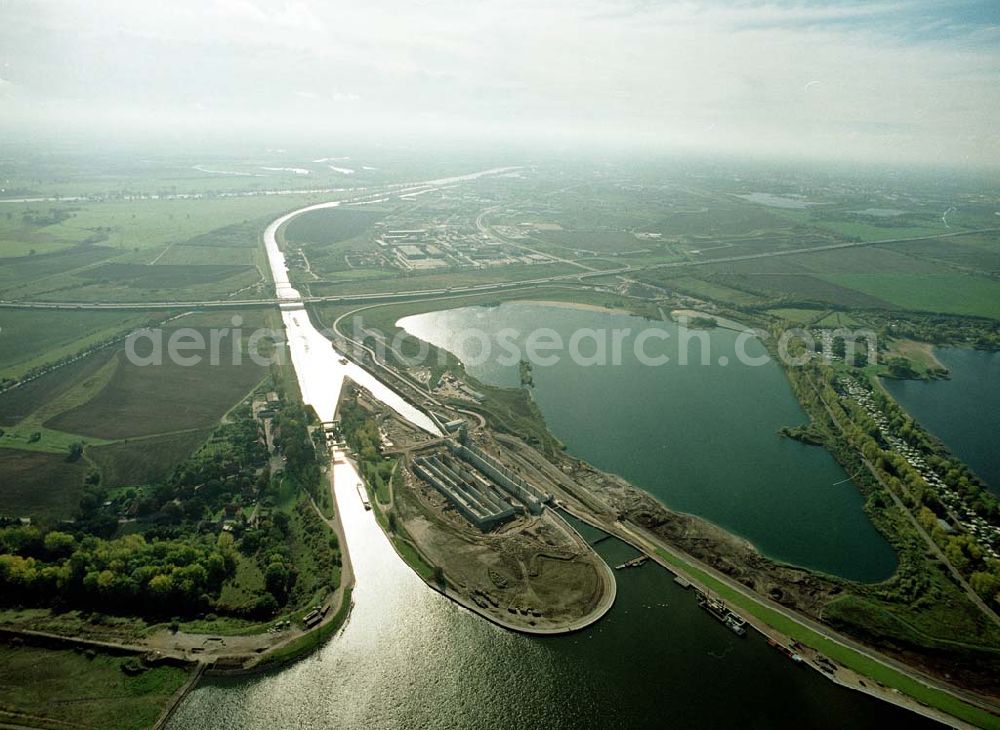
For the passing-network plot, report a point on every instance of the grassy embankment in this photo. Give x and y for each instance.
(56, 688)
(836, 651)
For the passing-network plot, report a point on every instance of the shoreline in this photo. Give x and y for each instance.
(972, 702)
(583, 306)
(853, 681)
(577, 625)
(607, 601)
(721, 322)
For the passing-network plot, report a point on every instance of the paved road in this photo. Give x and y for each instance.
(473, 289)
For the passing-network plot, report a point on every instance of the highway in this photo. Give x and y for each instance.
(630, 533)
(415, 294)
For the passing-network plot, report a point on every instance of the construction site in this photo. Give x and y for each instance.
(486, 524)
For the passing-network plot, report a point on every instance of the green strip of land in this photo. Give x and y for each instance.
(844, 655)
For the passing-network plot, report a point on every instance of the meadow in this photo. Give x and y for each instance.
(58, 688)
(333, 225)
(161, 398)
(948, 292)
(31, 338)
(41, 485)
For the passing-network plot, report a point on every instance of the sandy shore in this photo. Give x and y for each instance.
(729, 324)
(571, 305)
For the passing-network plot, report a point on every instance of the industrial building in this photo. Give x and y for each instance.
(483, 490)
(476, 499)
(531, 497)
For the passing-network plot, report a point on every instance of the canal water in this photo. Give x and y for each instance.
(964, 412)
(701, 436)
(410, 658)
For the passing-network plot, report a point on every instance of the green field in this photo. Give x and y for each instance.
(703, 288)
(57, 688)
(155, 399)
(127, 225)
(798, 316)
(42, 485)
(131, 250)
(602, 241)
(329, 226)
(29, 338)
(866, 228)
(948, 293)
(145, 460)
(463, 277)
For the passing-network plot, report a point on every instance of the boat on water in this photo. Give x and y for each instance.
(364, 496)
(736, 624)
(733, 621)
(633, 563)
(787, 651)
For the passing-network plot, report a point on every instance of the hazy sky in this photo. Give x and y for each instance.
(916, 80)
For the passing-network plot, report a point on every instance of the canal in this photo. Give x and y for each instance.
(410, 658)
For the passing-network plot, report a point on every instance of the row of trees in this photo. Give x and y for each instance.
(296, 445)
(863, 436)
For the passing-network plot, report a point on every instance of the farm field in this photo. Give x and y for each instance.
(145, 460)
(333, 225)
(601, 241)
(848, 225)
(30, 338)
(706, 287)
(130, 250)
(976, 252)
(980, 297)
(135, 422)
(42, 485)
(419, 282)
(129, 225)
(145, 400)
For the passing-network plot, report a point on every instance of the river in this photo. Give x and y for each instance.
(964, 411)
(409, 658)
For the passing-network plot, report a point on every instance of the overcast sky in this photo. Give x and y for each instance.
(916, 80)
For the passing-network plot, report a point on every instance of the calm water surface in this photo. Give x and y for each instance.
(409, 658)
(964, 411)
(701, 437)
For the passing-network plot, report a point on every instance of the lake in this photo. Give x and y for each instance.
(702, 436)
(964, 412)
